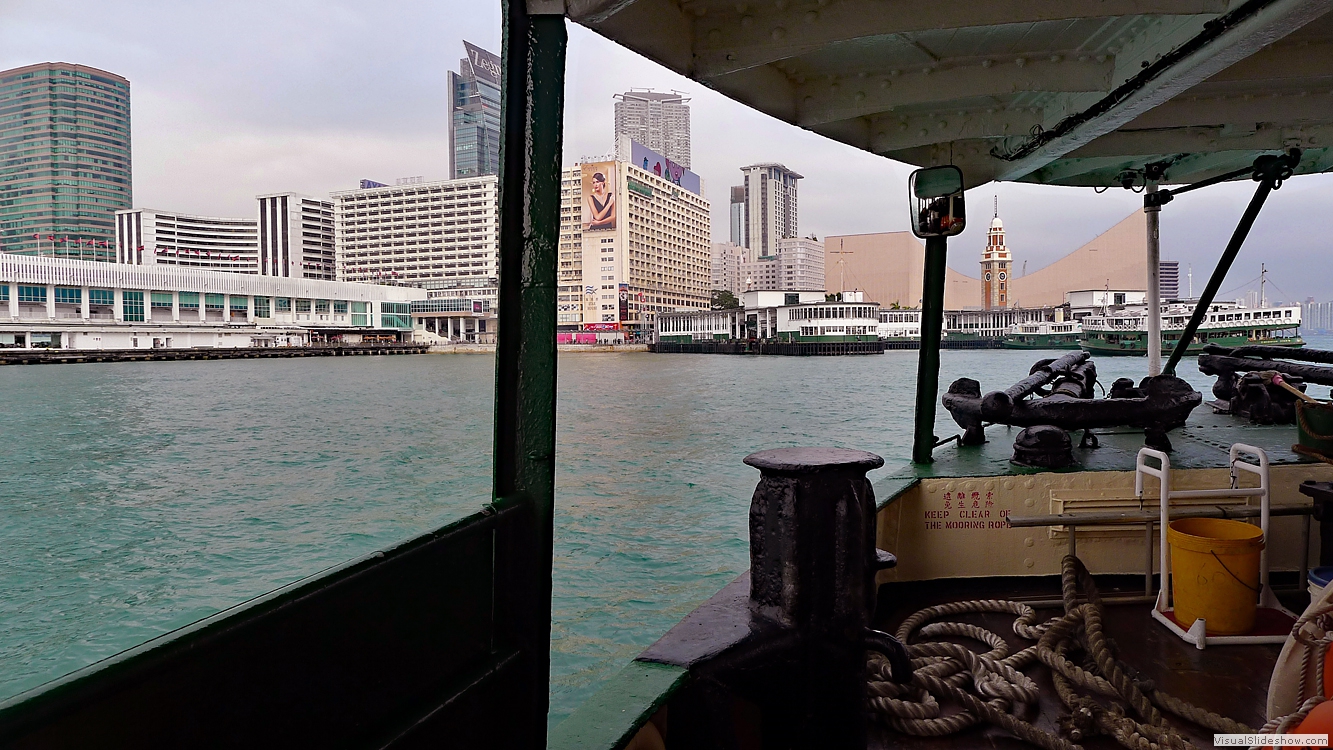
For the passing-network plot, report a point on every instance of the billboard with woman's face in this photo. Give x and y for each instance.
(599, 196)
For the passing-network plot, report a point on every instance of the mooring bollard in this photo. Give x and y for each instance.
(812, 579)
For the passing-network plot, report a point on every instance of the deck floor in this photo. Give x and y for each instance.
(1229, 680)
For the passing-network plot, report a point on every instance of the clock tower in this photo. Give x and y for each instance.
(996, 265)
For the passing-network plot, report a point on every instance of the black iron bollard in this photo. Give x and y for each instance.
(812, 578)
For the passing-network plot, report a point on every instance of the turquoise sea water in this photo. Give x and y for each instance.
(136, 498)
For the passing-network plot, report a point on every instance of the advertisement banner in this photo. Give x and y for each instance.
(624, 302)
(601, 326)
(650, 161)
(599, 196)
(484, 64)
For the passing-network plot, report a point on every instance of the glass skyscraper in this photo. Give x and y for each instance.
(474, 130)
(64, 160)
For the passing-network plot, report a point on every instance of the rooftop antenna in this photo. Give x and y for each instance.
(1263, 281)
(1190, 275)
(997, 205)
(1025, 267)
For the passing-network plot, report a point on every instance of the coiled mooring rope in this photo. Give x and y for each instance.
(1314, 644)
(1102, 695)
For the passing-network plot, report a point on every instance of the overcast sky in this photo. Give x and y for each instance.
(230, 100)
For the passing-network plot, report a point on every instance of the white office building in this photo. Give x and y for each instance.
(441, 235)
(296, 237)
(77, 304)
(781, 315)
(660, 121)
(151, 237)
(770, 208)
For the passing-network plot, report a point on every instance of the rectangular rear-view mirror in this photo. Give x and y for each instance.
(937, 202)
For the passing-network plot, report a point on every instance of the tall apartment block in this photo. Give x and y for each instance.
(1168, 279)
(797, 265)
(474, 114)
(770, 208)
(646, 250)
(441, 235)
(737, 216)
(296, 237)
(725, 271)
(64, 160)
(659, 121)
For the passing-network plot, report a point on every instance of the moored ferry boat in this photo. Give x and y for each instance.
(1123, 331)
(1043, 335)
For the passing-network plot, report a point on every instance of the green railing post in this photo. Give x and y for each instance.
(928, 364)
(532, 117)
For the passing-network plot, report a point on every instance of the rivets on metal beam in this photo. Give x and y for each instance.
(884, 83)
(987, 63)
(778, 34)
(924, 133)
(747, 21)
(1020, 62)
(1101, 58)
(860, 96)
(714, 35)
(1056, 58)
(812, 16)
(941, 124)
(780, 4)
(895, 73)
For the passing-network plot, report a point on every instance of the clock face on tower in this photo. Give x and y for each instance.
(1001, 275)
(988, 276)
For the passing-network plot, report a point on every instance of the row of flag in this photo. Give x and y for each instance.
(66, 240)
(194, 253)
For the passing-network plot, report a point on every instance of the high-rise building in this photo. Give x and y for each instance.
(440, 235)
(738, 215)
(770, 208)
(797, 265)
(296, 236)
(725, 271)
(632, 244)
(149, 237)
(474, 114)
(659, 121)
(996, 263)
(64, 160)
(1168, 279)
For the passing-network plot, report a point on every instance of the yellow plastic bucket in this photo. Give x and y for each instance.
(1215, 573)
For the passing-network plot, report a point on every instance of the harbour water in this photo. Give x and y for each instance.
(136, 498)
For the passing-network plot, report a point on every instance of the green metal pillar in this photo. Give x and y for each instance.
(532, 117)
(928, 364)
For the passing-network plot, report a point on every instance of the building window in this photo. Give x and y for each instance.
(303, 305)
(188, 300)
(282, 304)
(32, 294)
(395, 315)
(339, 307)
(161, 300)
(239, 304)
(133, 306)
(214, 301)
(101, 297)
(4, 292)
(359, 316)
(68, 296)
(262, 307)
(322, 306)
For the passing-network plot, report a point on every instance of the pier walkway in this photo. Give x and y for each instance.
(67, 356)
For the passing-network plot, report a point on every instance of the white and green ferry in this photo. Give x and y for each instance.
(1043, 334)
(1124, 330)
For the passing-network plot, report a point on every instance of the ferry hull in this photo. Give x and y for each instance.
(1139, 348)
(1041, 341)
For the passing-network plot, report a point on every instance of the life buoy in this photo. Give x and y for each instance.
(1287, 690)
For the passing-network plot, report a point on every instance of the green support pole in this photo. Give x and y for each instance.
(928, 364)
(532, 118)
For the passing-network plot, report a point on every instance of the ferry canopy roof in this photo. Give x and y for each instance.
(1045, 91)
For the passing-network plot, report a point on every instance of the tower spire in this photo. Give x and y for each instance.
(997, 206)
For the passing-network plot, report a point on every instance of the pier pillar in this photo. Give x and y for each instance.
(812, 586)
(50, 302)
(85, 304)
(118, 308)
(176, 307)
